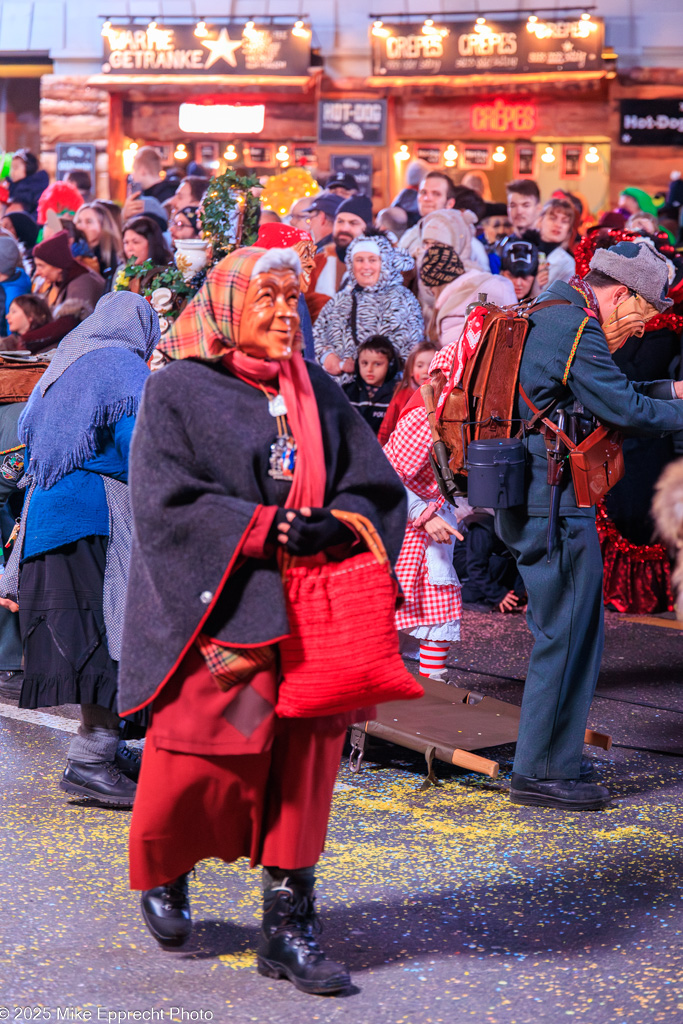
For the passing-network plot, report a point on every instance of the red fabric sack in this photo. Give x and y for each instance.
(343, 651)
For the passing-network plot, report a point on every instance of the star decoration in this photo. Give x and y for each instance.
(626, 138)
(221, 48)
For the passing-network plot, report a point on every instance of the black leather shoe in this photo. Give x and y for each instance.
(567, 794)
(289, 949)
(101, 782)
(166, 910)
(128, 761)
(10, 684)
(587, 768)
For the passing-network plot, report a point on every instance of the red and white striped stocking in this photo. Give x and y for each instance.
(433, 654)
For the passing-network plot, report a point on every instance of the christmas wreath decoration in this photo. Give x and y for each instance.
(230, 213)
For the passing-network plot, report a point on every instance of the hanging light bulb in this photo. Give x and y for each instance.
(379, 30)
(549, 156)
(249, 30)
(152, 25)
(282, 156)
(106, 28)
(585, 16)
(200, 30)
(450, 156)
(230, 152)
(300, 30)
(180, 152)
(592, 156)
(128, 156)
(500, 156)
(403, 153)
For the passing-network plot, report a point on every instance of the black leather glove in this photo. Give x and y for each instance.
(308, 535)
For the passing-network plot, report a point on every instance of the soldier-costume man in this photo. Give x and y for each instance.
(567, 360)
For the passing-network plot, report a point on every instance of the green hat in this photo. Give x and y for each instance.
(645, 202)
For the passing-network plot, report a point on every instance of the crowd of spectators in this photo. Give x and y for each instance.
(382, 293)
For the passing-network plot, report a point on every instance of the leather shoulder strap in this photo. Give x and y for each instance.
(548, 302)
(542, 415)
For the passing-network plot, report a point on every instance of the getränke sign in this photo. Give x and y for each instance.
(506, 47)
(174, 49)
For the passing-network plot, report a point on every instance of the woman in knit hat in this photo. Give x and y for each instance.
(452, 228)
(374, 301)
(65, 277)
(454, 287)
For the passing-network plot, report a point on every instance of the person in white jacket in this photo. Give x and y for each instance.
(555, 229)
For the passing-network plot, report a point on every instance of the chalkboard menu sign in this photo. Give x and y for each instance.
(352, 122)
(651, 122)
(75, 156)
(430, 154)
(513, 46)
(359, 165)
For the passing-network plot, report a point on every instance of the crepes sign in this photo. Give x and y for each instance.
(507, 47)
(175, 49)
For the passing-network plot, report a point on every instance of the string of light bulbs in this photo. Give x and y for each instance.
(201, 31)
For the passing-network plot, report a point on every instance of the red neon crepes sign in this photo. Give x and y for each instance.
(500, 116)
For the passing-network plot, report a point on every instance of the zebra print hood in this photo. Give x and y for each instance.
(394, 263)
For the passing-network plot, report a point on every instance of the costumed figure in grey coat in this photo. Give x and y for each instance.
(240, 446)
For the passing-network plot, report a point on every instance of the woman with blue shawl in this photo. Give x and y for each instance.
(69, 568)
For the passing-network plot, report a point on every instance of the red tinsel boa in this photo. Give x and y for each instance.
(636, 578)
(585, 251)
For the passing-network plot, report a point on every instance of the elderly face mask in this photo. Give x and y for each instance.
(627, 321)
(270, 322)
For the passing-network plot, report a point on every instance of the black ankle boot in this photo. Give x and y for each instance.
(289, 949)
(166, 910)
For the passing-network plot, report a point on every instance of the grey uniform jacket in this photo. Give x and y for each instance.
(594, 380)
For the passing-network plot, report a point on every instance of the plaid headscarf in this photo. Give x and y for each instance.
(210, 323)
(440, 265)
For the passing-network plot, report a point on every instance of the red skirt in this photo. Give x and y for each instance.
(271, 806)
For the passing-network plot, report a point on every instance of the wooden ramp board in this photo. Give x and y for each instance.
(448, 723)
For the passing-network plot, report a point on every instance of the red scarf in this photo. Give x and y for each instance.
(308, 484)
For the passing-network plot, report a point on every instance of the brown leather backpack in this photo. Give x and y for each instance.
(483, 404)
(18, 377)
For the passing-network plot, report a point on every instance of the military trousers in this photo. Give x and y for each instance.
(565, 616)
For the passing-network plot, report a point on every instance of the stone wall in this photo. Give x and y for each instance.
(73, 111)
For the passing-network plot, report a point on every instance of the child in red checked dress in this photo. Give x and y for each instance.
(433, 608)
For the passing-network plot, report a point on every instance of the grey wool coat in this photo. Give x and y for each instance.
(198, 473)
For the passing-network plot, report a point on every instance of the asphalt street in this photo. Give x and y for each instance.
(448, 904)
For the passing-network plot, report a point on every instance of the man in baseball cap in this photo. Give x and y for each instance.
(321, 214)
(343, 184)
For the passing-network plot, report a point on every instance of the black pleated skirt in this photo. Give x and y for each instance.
(66, 660)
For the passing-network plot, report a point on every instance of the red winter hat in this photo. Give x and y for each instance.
(56, 251)
(280, 236)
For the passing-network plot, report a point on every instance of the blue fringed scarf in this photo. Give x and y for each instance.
(95, 378)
